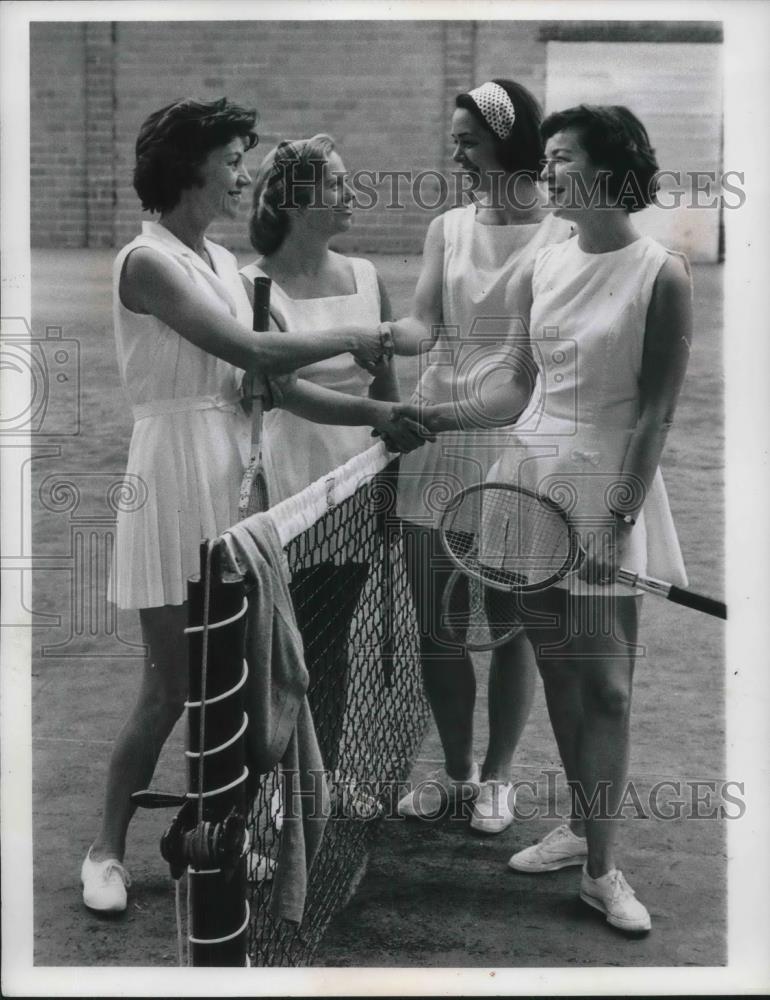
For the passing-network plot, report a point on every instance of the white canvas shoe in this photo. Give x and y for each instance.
(558, 849)
(613, 896)
(436, 792)
(104, 885)
(493, 809)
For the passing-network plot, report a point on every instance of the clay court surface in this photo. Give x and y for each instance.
(434, 895)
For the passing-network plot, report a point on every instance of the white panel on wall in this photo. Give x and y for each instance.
(676, 91)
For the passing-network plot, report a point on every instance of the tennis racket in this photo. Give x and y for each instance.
(476, 616)
(517, 541)
(253, 495)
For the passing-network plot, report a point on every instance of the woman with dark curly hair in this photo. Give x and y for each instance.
(184, 340)
(621, 304)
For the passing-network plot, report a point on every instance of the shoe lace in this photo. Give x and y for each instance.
(619, 885)
(555, 834)
(115, 866)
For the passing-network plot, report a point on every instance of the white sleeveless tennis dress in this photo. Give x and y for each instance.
(486, 290)
(297, 451)
(588, 322)
(191, 437)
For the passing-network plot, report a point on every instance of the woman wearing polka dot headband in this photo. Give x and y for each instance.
(472, 296)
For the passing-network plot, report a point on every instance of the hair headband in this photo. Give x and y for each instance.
(496, 108)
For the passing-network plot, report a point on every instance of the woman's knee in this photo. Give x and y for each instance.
(608, 697)
(162, 696)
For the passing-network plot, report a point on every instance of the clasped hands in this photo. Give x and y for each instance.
(375, 348)
(407, 428)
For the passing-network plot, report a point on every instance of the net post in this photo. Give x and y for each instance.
(219, 913)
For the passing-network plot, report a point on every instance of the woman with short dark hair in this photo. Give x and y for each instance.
(184, 340)
(615, 141)
(609, 385)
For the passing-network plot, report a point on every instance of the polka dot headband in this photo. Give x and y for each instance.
(496, 108)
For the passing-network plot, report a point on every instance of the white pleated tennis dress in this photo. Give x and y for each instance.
(297, 451)
(588, 321)
(486, 290)
(191, 437)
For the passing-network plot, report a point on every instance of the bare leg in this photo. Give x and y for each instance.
(512, 675)
(604, 743)
(588, 690)
(448, 674)
(565, 710)
(158, 707)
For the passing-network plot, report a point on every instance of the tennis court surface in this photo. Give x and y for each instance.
(433, 895)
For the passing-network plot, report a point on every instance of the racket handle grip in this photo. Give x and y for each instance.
(698, 602)
(261, 314)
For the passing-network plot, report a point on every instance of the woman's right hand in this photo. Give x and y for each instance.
(401, 433)
(374, 346)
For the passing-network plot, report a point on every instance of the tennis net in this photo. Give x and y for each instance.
(354, 609)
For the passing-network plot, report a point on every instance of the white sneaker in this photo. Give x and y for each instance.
(104, 884)
(436, 791)
(493, 810)
(613, 896)
(558, 849)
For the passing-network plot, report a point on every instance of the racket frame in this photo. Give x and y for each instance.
(253, 495)
(447, 614)
(571, 561)
(575, 556)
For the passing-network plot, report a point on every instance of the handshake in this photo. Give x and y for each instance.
(374, 349)
(404, 426)
(407, 428)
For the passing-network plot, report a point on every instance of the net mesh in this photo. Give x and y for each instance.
(354, 609)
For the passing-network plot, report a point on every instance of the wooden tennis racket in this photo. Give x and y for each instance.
(253, 496)
(514, 540)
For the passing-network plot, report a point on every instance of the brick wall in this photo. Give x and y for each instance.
(384, 89)
(374, 86)
(58, 213)
(514, 55)
(100, 133)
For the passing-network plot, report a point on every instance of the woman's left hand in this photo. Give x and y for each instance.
(605, 553)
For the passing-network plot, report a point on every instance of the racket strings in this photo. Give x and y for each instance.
(478, 617)
(519, 541)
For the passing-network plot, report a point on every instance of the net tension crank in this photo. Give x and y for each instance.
(186, 842)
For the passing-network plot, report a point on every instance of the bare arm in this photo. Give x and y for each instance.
(384, 385)
(417, 332)
(150, 283)
(328, 406)
(667, 339)
(499, 401)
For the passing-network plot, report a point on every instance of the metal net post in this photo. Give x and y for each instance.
(216, 724)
